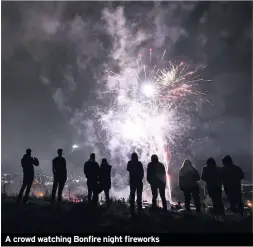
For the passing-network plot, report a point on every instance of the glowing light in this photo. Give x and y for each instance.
(75, 146)
(75, 200)
(148, 90)
(40, 194)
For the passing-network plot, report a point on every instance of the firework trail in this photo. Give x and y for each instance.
(145, 115)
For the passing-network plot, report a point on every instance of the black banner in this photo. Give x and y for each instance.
(126, 239)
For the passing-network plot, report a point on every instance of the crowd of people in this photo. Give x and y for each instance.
(99, 179)
(229, 176)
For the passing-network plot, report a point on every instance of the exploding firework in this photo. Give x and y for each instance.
(144, 114)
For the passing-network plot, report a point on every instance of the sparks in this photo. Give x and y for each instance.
(148, 90)
(145, 111)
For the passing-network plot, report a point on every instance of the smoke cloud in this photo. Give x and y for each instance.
(65, 50)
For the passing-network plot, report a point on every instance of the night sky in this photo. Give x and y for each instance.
(53, 60)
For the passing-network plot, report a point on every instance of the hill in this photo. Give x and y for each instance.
(39, 216)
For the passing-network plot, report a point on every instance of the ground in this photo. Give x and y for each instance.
(39, 216)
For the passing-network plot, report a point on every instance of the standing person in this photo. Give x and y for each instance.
(136, 174)
(156, 176)
(91, 171)
(105, 179)
(60, 175)
(188, 183)
(231, 178)
(27, 163)
(211, 174)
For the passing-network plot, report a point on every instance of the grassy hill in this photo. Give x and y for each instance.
(39, 216)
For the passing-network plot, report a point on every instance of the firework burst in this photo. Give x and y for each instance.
(144, 113)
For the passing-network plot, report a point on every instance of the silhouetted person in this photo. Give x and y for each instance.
(156, 176)
(178, 205)
(105, 179)
(231, 178)
(188, 183)
(136, 174)
(211, 174)
(27, 163)
(60, 175)
(91, 171)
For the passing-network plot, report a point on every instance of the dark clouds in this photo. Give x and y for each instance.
(54, 55)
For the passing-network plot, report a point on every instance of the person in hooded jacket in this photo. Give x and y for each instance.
(231, 179)
(27, 163)
(188, 183)
(91, 171)
(211, 174)
(156, 177)
(105, 179)
(136, 174)
(60, 175)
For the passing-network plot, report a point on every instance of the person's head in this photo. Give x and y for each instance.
(60, 152)
(93, 157)
(104, 161)
(211, 162)
(187, 164)
(134, 157)
(154, 158)
(29, 151)
(227, 160)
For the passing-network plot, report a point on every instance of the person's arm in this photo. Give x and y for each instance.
(65, 164)
(36, 161)
(180, 181)
(85, 169)
(22, 162)
(128, 166)
(241, 173)
(53, 166)
(197, 175)
(142, 171)
(164, 174)
(203, 174)
(149, 174)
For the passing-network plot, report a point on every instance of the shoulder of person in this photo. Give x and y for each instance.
(204, 168)
(238, 168)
